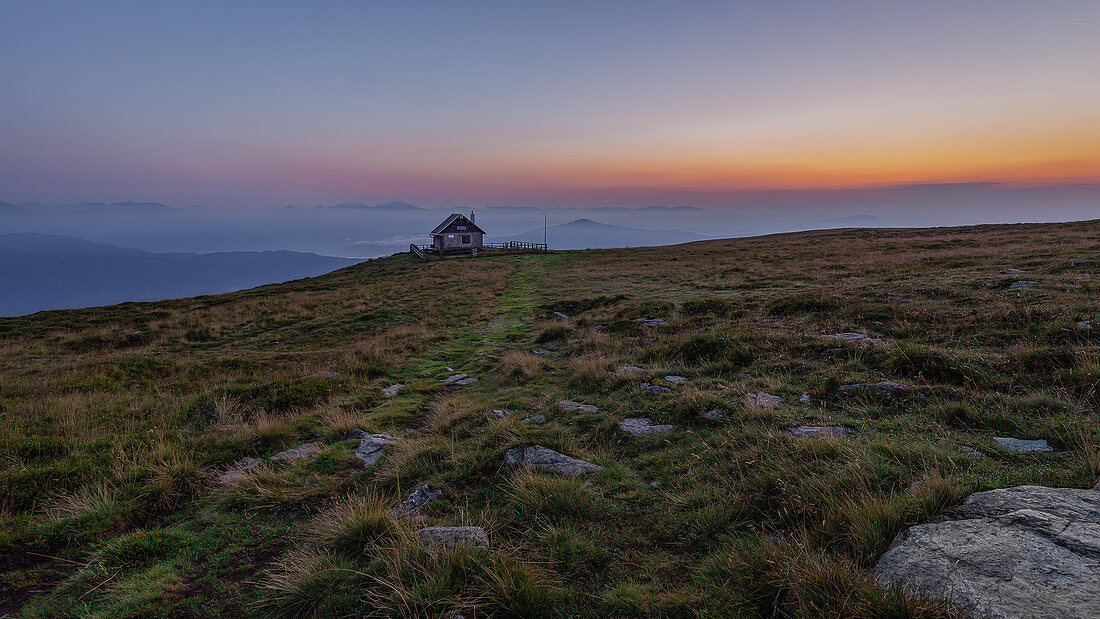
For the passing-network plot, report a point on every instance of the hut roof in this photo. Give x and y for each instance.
(454, 217)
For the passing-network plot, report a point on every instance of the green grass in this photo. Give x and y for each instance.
(118, 420)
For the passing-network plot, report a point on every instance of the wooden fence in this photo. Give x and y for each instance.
(427, 252)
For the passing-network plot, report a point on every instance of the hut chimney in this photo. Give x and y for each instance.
(471, 215)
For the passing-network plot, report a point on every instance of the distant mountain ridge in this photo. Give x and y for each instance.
(43, 271)
(590, 234)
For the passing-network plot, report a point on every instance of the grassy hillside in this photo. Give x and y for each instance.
(117, 421)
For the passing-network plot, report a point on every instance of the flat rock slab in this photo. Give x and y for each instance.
(539, 457)
(301, 452)
(453, 378)
(1028, 551)
(449, 537)
(852, 337)
(651, 322)
(640, 426)
(1022, 446)
(654, 389)
(371, 446)
(570, 405)
(392, 390)
(1009, 271)
(537, 419)
(238, 471)
(1023, 283)
(676, 380)
(883, 388)
(820, 432)
(541, 351)
(763, 400)
(413, 506)
(466, 381)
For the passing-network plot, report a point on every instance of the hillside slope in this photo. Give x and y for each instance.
(120, 424)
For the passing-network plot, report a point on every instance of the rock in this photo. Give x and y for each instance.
(626, 369)
(454, 378)
(651, 322)
(560, 316)
(371, 446)
(804, 399)
(1009, 271)
(967, 450)
(570, 405)
(639, 426)
(466, 381)
(1023, 283)
(449, 537)
(539, 457)
(537, 419)
(392, 390)
(763, 400)
(676, 380)
(1022, 446)
(1028, 551)
(541, 351)
(238, 471)
(852, 337)
(883, 388)
(413, 506)
(301, 452)
(498, 413)
(654, 389)
(820, 432)
(715, 414)
(1084, 325)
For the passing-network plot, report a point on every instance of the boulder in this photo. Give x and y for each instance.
(570, 405)
(301, 452)
(454, 378)
(498, 413)
(239, 470)
(537, 419)
(882, 388)
(1022, 446)
(541, 351)
(1027, 551)
(392, 390)
(371, 446)
(539, 457)
(804, 399)
(676, 380)
(469, 380)
(763, 400)
(715, 414)
(413, 506)
(1023, 283)
(560, 316)
(449, 537)
(639, 426)
(820, 432)
(654, 389)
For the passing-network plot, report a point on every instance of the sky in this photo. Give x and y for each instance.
(257, 104)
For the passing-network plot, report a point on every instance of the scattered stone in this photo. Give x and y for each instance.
(301, 452)
(1084, 325)
(1009, 271)
(763, 400)
(651, 322)
(804, 399)
(560, 316)
(1022, 446)
(654, 389)
(1028, 551)
(541, 351)
(449, 537)
(570, 405)
(639, 426)
(392, 390)
(238, 471)
(453, 378)
(676, 380)
(539, 457)
(1023, 283)
(537, 419)
(715, 414)
(820, 432)
(466, 381)
(598, 328)
(852, 338)
(498, 413)
(625, 369)
(883, 388)
(413, 506)
(371, 446)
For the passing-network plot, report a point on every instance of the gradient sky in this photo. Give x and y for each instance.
(568, 103)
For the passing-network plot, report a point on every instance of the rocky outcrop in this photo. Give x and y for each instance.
(301, 452)
(763, 400)
(450, 537)
(654, 389)
(371, 446)
(413, 507)
(1023, 283)
(882, 388)
(535, 419)
(238, 471)
(570, 405)
(392, 390)
(640, 426)
(1028, 551)
(820, 432)
(1022, 446)
(539, 457)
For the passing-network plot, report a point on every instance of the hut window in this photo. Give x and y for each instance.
(465, 238)
(450, 236)
(462, 228)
